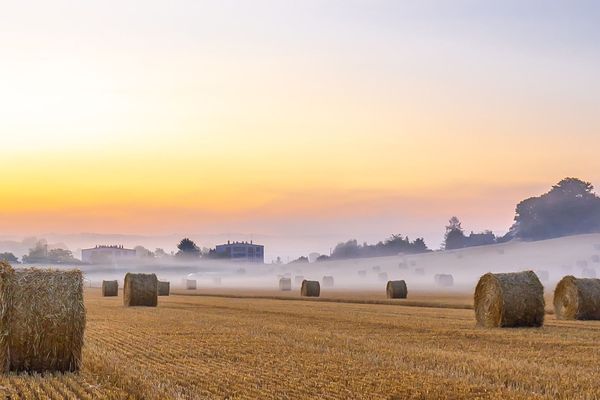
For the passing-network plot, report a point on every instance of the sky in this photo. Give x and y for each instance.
(325, 119)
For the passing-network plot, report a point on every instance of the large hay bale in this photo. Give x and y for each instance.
(382, 276)
(310, 289)
(298, 280)
(362, 274)
(110, 288)
(328, 281)
(285, 284)
(42, 319)
(190, 284)
(164, 288)
(577, 298)
(509, 300)
(444, 280)
(140, 290)
(396, 290)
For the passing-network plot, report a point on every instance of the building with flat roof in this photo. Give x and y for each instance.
(107, 254)
(242, 252)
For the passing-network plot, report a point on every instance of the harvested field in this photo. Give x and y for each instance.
(197, 347)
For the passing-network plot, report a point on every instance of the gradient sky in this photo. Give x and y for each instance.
(337, 119)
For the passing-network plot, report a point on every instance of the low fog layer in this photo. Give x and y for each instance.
(551, 259)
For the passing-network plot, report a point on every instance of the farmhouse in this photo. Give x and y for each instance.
(107, 254)
(242, 251)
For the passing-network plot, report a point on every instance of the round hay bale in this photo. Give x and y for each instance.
(577, 298)
(140, 290)
(310, 289)
(582, 263)
(110, 288)
(285, 284)
(396, 290)
(376, 268)
(298, 280)
(444, 280)
(402, 265)
(509, 300)
(164, 288)
(42, 319)
(420, 271)
(328, 281)
(382, 276)
(217, 280)
(190, 284)
(362, 274)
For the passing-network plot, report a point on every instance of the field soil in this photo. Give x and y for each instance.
(206, 347)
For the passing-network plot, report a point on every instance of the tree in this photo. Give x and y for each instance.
(187, 248)
(454, 237)
(160, 253)
(300, 260)
(9, 258)
(142, 252)
(569, 208)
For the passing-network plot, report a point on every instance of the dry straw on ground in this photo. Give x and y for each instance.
(328, 281)
(164, 288)
(310, 289)
(190, 284)
(42, 319)
(445, 280)
(509, 300)
(285, 284)
(396, 290)
(577, 298)
(140, 290)
(110, 288)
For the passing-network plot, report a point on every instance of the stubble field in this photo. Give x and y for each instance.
(197, 347)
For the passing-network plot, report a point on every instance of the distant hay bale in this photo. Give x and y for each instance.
(190, 284)
(298, 280)
(42, 320)
(362, 274)
(420, 271)
(543, 275)
(396, 290)
(382, 276)
(588, 273)
(413, 263)
(445, 280)
(596, 258)
(402, 265)
(217, 280)
(164, 288)
(582, 263)
(328, 281)
(285, 284)
(500, 251)
(376, 268)
(140, 290)
(509, 300)
(577, 298)
(110, 288)
(310, 289)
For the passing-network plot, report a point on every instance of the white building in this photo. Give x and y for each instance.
(242, 251)
(107, 254)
